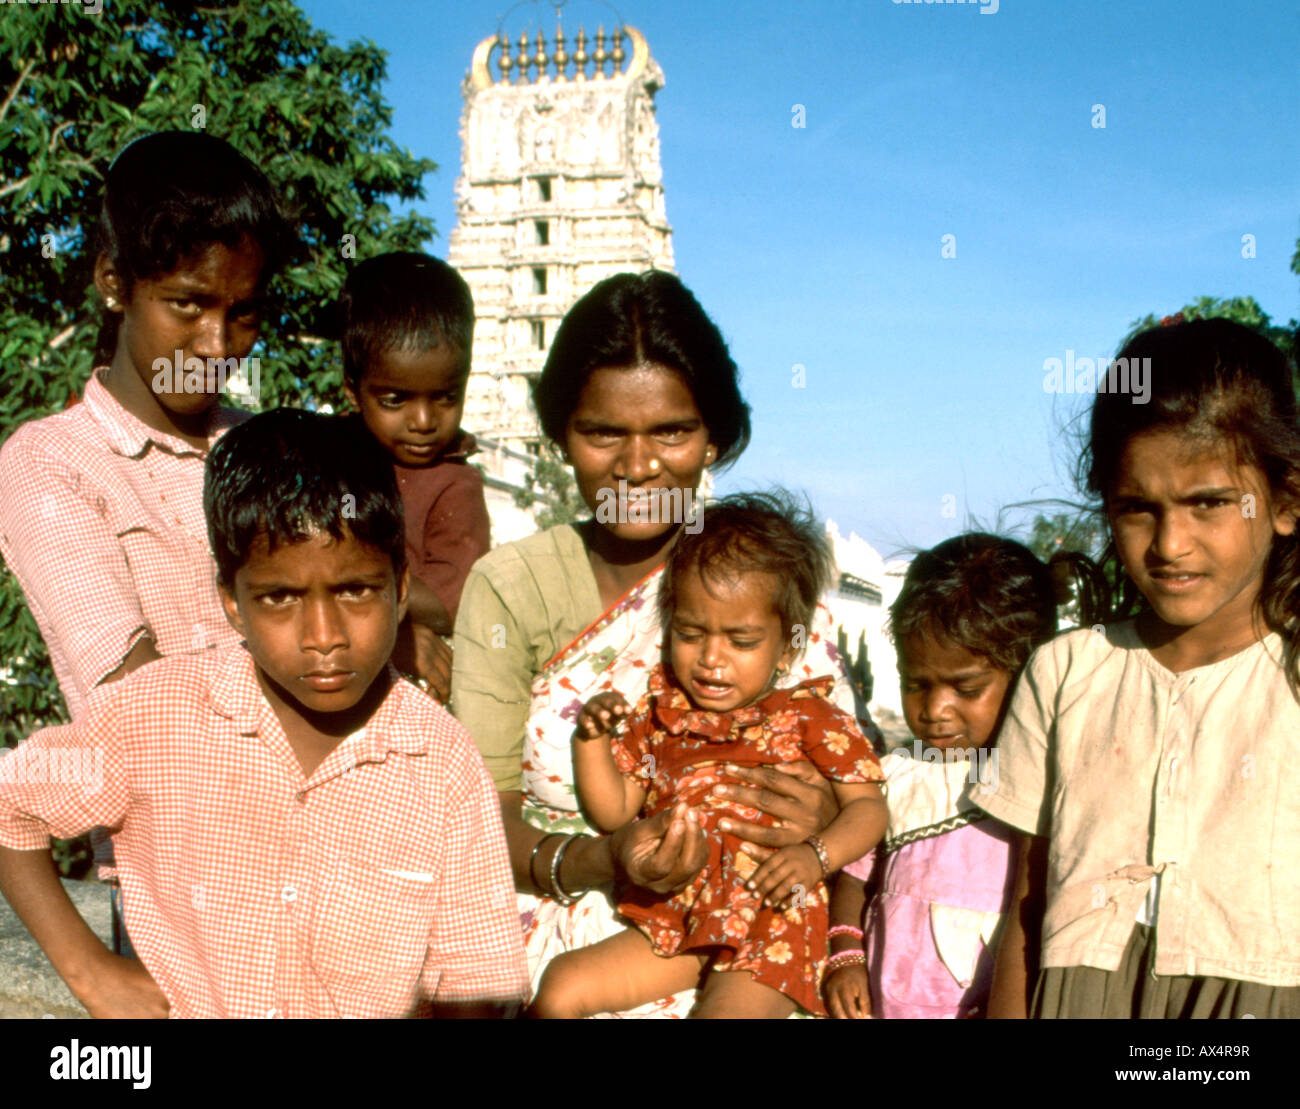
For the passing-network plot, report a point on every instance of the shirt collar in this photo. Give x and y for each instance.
(236, 695)
(130, 436)
(674, 712)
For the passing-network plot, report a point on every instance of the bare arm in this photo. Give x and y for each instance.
(588, 862)
(846, 987)
(1016, 968)
(610, 798)
(848, 907)
(662, 853)
(798, 867)
(107, 985)
(424, 606)
(861, 824)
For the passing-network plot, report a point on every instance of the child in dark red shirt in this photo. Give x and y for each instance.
(408, 327)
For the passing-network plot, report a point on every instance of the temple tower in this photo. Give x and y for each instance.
(560, 186)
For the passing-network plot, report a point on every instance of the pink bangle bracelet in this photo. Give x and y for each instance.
(845, 930)
(846, 959)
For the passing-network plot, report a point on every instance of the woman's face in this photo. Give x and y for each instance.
(638, 446)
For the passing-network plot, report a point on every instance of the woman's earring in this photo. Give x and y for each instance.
(709, 455)
(110, 303)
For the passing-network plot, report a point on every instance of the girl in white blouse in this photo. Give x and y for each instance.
(1151, 762)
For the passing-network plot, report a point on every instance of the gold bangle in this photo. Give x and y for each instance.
(815, 842)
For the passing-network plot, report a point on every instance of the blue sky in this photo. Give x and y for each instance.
(821, 246)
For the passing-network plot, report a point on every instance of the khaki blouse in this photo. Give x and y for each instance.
(522, 604)
(1133, 771)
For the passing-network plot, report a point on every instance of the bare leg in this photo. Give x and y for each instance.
(619, 973)
(734, 995)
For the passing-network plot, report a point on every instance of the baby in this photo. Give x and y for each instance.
(736, 601)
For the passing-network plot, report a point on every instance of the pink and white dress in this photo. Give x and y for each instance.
(943, 882)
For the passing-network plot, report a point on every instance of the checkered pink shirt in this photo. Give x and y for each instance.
(101, 520)
(374, 888)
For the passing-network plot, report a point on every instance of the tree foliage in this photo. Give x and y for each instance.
(551, 492)
(74, 89)
(1243, 310)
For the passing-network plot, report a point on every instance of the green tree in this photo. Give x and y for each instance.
(1243, 310)
(75, 88)
(1066, 531)
(550, 491)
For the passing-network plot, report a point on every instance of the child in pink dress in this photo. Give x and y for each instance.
(970, 612)
(737, 599)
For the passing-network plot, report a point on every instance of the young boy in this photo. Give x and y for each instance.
(299, 833)
(408, 325)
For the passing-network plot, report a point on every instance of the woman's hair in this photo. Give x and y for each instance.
(992, 596)
(1224, 385)
(287, 475)
(755, 533)
(170, 195)
(403, 301)
(633, 319)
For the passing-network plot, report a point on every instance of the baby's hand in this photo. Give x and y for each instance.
(601, 715)
(784, 870)
(847, 994)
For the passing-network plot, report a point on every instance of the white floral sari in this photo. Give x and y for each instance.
(618, 651)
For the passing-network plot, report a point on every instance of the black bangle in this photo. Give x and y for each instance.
(532, 859)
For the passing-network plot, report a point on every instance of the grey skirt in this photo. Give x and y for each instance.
(1133, 991)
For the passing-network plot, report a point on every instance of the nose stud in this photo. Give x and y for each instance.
(654, 465)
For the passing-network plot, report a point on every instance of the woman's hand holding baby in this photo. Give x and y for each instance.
(795, 794)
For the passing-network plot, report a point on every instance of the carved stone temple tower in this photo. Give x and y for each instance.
(560, 186)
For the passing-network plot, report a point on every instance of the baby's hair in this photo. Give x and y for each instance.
(991, 596)
(633, 319)
(289, 475)
(755, 533)
(1223, 386)
(171, 195)
(403, 301)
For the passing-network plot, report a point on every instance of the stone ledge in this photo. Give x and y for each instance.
(29, 985)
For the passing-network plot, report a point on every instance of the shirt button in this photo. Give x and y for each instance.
(288, 895)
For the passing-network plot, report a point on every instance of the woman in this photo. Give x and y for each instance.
(640, 394)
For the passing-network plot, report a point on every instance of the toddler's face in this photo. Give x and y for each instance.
(320, 618)
(412, 401)
(726, 639)
(951, 697)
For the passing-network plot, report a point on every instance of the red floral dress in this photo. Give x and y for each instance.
(678, 752)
